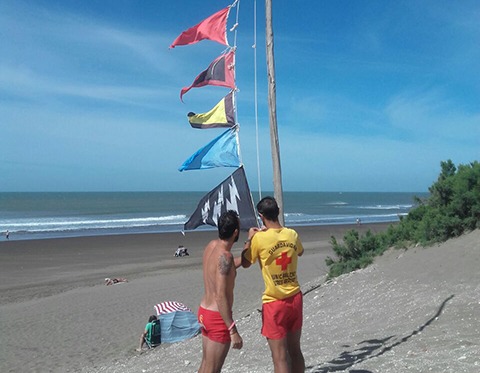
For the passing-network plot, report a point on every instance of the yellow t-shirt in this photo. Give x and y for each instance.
(277, 252)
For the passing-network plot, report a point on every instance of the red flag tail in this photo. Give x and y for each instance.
(211, 28)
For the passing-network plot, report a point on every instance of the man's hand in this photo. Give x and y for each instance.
(237, 342)
(252, 231)
(238, 261)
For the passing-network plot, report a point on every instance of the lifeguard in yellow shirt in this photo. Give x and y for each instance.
(277, 249)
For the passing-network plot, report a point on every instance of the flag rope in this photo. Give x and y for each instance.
(236, 4)
(256, 96)
(221, 72)
(256, 102)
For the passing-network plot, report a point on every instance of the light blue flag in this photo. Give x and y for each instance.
(220, 152)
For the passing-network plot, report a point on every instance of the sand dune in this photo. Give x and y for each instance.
(412, 311)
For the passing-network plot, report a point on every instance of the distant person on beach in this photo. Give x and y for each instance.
(147, 332)
(113, 281)
(277, 249)
(215, 313)
(7, 235)
(181, 251)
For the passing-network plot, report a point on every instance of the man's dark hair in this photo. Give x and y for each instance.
(268, 208)
(227, 224)
(152, 318)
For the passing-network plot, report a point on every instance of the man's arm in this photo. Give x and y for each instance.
(238, 261)
(224, 287)
(244, 261)
(300, 247)
(224, 295)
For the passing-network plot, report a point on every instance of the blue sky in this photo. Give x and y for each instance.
(371, 95)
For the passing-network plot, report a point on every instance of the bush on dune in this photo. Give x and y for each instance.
(355, 252)
(452, 209)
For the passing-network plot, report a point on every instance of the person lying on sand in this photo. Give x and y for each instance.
(113, 281)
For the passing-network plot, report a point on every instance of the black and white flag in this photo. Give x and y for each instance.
(232, 194)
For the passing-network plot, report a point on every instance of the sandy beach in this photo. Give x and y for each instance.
(409, 312)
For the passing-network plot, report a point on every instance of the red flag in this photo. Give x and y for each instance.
(221, 72)
(212, 28)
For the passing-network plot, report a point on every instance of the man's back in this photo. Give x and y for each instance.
(277, 251)
(218, 275)
(215, 312)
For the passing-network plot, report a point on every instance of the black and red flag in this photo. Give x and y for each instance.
(221, 72)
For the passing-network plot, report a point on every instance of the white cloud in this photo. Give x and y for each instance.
(23, 82)
(430, 114)
(32, 30)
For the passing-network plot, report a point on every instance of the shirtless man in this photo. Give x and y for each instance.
(215, 311)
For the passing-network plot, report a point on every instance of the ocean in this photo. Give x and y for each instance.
(50, 215)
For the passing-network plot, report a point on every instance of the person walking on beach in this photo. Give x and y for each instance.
(215, 312)
(7, 234)
(277, 249)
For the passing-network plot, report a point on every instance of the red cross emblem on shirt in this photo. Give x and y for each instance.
(283, 261)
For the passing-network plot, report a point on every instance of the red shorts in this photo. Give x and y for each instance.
(213, 326)
(282, 316)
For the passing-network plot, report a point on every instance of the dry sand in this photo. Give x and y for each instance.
(412, 311)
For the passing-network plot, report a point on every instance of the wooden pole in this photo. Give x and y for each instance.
(272, 104)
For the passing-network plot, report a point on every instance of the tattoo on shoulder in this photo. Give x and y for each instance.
(225, 263)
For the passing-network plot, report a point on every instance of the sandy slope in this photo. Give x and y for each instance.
(412, 311)
(52, 291)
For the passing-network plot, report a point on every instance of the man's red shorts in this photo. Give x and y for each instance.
(282, 316)
(213, 326)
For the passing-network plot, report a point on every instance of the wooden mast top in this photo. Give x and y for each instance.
(272, 104)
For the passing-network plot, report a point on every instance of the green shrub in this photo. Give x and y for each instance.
(355, 252)
(452, 208)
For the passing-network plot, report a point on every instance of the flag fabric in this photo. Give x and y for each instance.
(222, 115)
(221, 72)
(232, 194)
(220, 152)
(211, 28)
